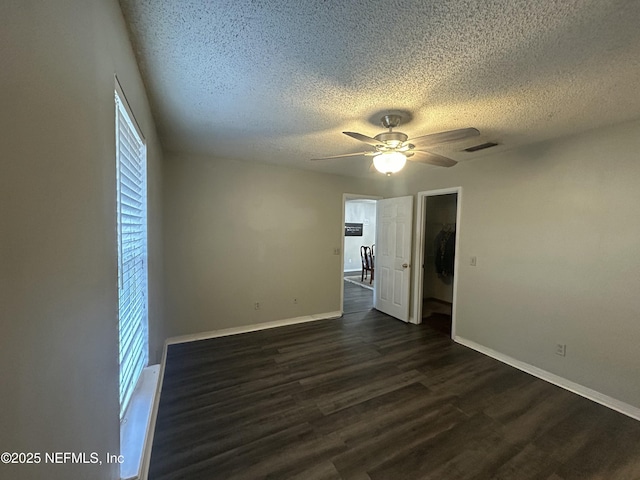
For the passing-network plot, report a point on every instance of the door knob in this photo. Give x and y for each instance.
(405, 265)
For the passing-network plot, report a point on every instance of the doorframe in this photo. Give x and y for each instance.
(418, 273)
(345, 197)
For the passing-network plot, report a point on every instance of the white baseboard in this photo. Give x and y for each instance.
(602, 399)
(252, 328)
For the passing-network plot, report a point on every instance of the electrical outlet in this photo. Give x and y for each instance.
(561, 349)
(473, 262)
(256, 306)
(336, 251)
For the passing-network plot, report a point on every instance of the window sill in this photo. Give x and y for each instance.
(135, 428)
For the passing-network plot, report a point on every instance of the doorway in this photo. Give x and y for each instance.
(438, 222)
(359, 224)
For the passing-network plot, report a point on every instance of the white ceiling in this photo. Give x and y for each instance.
(278, 81)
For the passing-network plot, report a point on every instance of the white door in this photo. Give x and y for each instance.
(393, 256)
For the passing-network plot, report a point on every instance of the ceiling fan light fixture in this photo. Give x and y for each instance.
(389, 162)
(393, 148)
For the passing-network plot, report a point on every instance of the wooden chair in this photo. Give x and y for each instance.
(367, 263)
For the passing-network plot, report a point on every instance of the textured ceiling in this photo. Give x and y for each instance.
(278, 81)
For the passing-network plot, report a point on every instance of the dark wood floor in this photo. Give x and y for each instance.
(369, 397)
(356, 299)
(436, 314)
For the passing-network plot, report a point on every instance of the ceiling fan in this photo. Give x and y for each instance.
(393, 149)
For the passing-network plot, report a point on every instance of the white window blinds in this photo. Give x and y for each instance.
(132, 252)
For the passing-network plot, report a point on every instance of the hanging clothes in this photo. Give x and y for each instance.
(445, 249)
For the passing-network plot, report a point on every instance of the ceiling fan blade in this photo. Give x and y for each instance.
(431, 159)
(443, 137)
(364, 138)
(344, 155)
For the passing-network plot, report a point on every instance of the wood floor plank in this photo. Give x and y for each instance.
(432, 451)
(320, 471)
(363, 392)
(368, 397)
(530, 463)
(388, 453)
(355, 425)
(477, 459)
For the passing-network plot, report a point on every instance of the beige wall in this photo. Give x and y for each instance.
(58, 292)
(556, 233)
(239, 233)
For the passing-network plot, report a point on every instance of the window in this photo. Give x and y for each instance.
(131, 159)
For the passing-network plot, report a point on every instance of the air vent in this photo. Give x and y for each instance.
(482, 146)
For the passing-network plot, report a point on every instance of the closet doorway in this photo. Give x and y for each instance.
(438, 218)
